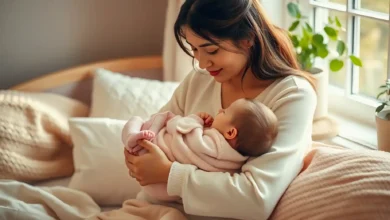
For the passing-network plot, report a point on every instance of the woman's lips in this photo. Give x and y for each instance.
(214, 73)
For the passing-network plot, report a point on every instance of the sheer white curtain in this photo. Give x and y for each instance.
(177, 64)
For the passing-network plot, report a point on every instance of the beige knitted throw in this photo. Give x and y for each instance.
(34, 139)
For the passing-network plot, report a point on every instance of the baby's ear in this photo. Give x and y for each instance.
(231, 133)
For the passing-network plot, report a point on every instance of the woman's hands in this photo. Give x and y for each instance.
(149, 168)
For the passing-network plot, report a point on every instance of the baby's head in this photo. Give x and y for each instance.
(250, 126)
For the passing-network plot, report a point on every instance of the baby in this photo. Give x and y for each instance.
(245, 129)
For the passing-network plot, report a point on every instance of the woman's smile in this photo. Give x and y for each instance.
(215, 72)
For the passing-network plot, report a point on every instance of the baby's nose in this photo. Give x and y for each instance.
(220, 110)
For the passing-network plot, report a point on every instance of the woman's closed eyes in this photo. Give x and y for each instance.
(209, 52)
(213, 52)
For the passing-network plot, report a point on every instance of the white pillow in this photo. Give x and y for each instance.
(100, 169)
(118, 96)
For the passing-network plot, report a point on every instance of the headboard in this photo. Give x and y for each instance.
(76, 82)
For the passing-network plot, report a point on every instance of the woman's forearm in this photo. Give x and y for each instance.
(240, 196)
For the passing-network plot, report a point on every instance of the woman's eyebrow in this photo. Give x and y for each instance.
(203, 45)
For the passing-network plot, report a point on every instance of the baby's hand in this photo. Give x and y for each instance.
(208, 120)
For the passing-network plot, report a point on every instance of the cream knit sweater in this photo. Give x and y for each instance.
(254, 193)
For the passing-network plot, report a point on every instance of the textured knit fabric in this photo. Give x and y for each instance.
(254, 193)
(339, 184)
(34, 136)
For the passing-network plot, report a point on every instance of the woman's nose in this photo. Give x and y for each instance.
(204, 62)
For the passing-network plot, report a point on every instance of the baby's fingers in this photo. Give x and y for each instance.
(209, 120)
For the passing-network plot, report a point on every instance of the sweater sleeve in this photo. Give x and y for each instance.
(253, 193)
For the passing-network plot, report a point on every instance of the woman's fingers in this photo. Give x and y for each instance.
(132, 171)
(147, 145)
(126, 153)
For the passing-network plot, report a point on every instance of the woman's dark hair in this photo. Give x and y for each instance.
(271, 55)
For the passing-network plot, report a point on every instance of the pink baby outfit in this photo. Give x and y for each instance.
(184, 139)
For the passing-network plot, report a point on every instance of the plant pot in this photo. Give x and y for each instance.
(383, 130)
(322, 80)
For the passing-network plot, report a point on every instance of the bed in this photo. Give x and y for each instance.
(97, 93)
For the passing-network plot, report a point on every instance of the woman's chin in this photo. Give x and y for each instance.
(220, 79)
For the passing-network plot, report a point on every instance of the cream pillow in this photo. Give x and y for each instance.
(100, 169)
(118, 96)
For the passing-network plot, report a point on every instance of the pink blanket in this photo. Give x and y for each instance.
(338, 183)
(184, 139)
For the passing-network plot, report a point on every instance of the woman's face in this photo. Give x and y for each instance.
(224, 61)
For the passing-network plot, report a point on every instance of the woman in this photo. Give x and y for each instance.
(242, 56)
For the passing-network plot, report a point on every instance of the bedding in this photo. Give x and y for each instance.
(34, 135)
(338, 183)
(22, 201)
(335, 183)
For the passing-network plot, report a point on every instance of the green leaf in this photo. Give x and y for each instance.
(330, 20)
(294, 25)
(306, 34)
(331, 32)
(322, 51)
(380, 94)
(383, 86)
(338, 23)
(304, 42)
(336, 65)
(318, 39)
(308, 27)
(293, 10)
(340, 47)
(380, 108)
(304, 60)
(355, 60)
(295, 41)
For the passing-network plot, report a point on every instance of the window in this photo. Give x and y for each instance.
(367, 25)
(353, 90)
(367, 33)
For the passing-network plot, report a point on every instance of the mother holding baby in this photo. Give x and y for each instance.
(245, 56)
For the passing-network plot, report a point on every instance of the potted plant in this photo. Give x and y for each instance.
(310, 45)
(382, 118)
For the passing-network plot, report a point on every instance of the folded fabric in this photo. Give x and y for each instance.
(34, 135)
(22, 201)
(337, 183)
(140, 210)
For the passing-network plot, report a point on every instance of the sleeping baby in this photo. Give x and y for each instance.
(245, 129)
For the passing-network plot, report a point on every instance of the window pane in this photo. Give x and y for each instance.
(376, 5)
(374, 40)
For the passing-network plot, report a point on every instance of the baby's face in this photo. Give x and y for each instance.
(223, 120)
